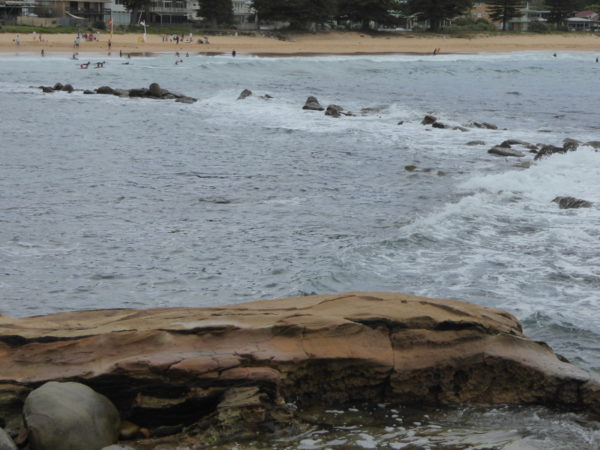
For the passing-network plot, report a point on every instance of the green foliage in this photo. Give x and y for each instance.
(298, 12)
(99, 25)
(217, 12)
(504, 10)
(470, 24)
(560, 10)
(25, 29)
(595, 7)
(539, 27)
(436, 11)
(365, 11)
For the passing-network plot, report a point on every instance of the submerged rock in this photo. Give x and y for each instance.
(504, 151)
(547, 150)
(475, 143)
(334, 110)
(428, 120)
(486, 125)
(572, 202)
(232, 371)
(593, 144)
(571, 145)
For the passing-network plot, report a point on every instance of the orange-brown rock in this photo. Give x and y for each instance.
(233, 369)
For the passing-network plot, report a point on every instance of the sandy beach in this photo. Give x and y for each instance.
(305, 44)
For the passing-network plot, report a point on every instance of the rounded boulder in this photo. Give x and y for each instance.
(154, 90)
(69, 416)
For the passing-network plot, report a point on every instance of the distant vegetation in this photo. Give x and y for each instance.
(24, 29)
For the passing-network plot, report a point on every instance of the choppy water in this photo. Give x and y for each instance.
(108, 202)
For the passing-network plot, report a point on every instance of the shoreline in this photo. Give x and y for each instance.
(325, 44)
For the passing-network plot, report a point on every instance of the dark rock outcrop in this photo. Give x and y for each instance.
(504, 151)
(475, 143)
(334, 110)
(486, 125)
(66, 416)
(138, 92)
(428, 120)
(572, 202)
(187, 100)
(313, 104)
(546, 150)
(244, 94)
(107, 90)
(593, 144)
(571, 145)
(510, 142)
(232, 371)
(154, 90)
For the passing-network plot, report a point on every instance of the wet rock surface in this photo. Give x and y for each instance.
(312, 104)
(153, 91)
(572, 202)
(218, 373)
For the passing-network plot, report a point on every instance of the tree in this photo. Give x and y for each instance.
(559, 10)
(594, 7)
(299, 13)
(436, 11)
(135, 7)
(366, 11)
(504, 10)
(217, 12)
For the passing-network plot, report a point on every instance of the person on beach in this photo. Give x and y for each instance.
(109, 45)
(43, 53)
(17, 40)
(233, 53)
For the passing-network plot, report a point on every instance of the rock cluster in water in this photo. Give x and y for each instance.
(190, 376)
(153, 91)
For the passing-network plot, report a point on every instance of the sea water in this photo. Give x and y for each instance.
(109, 202)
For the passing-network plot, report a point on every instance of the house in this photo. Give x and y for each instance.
(66, 12)
(584, 21)
(11, 9)
(529, 14)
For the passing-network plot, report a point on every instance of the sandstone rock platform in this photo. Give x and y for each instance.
(219, 372)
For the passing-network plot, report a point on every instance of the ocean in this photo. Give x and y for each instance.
(109, 202)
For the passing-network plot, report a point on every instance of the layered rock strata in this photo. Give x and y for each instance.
(234, 370)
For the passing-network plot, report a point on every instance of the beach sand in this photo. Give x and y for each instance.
(303, 44)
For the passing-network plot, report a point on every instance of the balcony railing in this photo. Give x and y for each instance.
(88, 12)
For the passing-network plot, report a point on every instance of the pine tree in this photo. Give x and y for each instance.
(436, 11)
(560, 10)
(504, 10)
(217, 11)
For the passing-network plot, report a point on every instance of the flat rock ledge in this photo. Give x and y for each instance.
(205, 375)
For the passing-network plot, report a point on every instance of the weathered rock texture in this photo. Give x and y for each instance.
(67, 416)
(232, 370)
